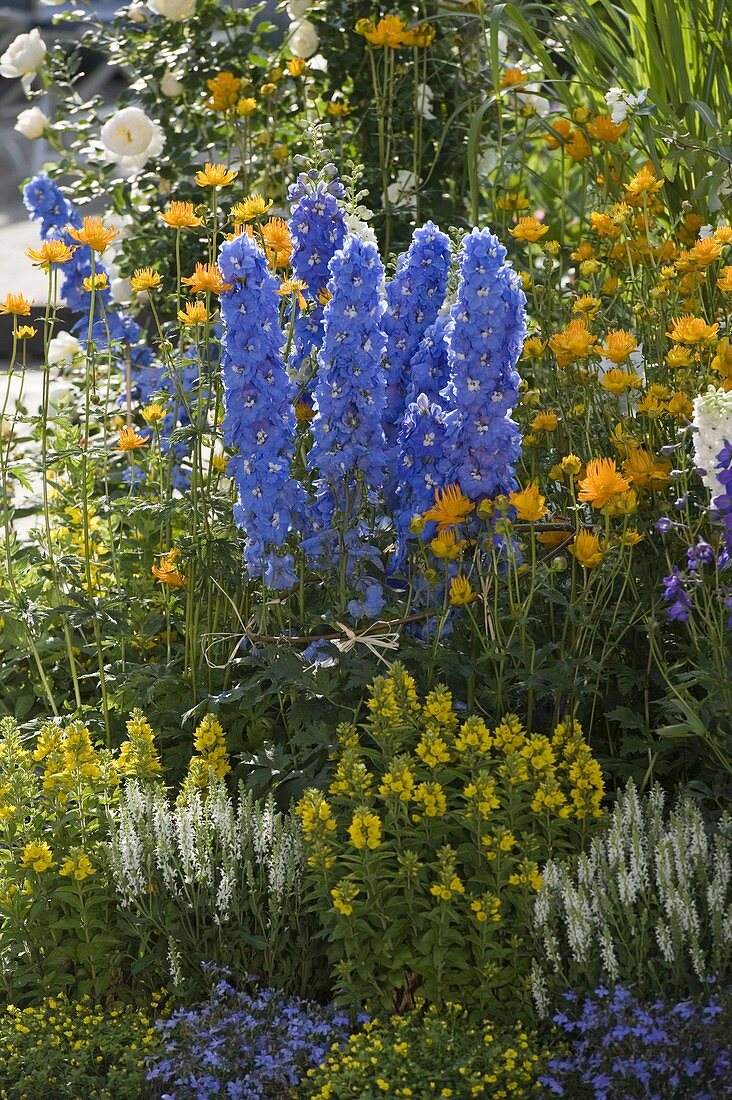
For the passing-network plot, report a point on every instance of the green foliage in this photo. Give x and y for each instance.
(648, 905)
(429, 1052)
(64, 1049)
(424, 858)
(211, 878)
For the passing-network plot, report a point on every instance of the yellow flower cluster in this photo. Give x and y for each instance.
(138, 756)
(71, 763)
(213, 758)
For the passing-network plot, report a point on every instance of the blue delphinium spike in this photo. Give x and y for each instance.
(429, 370)
(259, 421)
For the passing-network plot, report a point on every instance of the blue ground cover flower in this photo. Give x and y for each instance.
(618, 1048)
(260, 421)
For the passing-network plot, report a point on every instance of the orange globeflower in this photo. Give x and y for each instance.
(722, 363)
(180, 215)
(145, 278)
(604, 226)
(561, 133)
(50, 253)
(26, 332)
(643, 185)
(95, 282)
(530, 505)
(529, 230)
(545, 422)
(461, 591)
(678, 357)
(93, 233)
(692, 330)
(215, 175)
(617, 381)
(296, 287)
(578, 147)
(389, 31)
(586, 305)
(645, 471)
(17, 304)
(601, 482)
(603, 128)
(224, 90)
(618, 346)
(193, 314)
(450, 508)
(207, 278)
(167, 571)
(724, 282)
(423, 35)
(277, 242)
(447, 546)
(129, 440)
(254, 206)
(587, 549)
(575, 342)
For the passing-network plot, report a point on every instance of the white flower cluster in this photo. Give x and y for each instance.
(650, 895)
(231, 865)
(302, 37)
(712, 428)
(620, 103)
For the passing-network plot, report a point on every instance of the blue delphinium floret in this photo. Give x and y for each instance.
(348, 442)
(424, 460)
(429, 371)
(413, 300)
(487, 331)
(260, 421)
(318, 230)
(618, 1047)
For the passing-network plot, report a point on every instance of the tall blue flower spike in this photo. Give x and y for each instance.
(260, 421)
(486, 333)
(413, 300)
(424, 462)
(318, 230)
(429, 370)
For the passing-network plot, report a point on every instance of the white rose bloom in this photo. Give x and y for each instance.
(713, 424)
(136, 12)
(620, 102)
(170, 85)
(402, 191)
(297, 8)
(130, 139)
(24, 57)
(425, 95)
(303, 38)
(32, 123)
(318, 64)
(62, 349)
(174, 10)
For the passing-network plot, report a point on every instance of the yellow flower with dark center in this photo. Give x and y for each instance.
(529, 230)
(254, 206)
(296, 287)
(604, 129)
(447, 546)
(575, 342)
(181, 215)
(530, 505)
(206, 279)
(129, 440)
(95, 282)
(224, 90)
(215, 175)
(450, 508)
(643, 185)
(602, 481)
(618, 346)
(277, 242)
(246, 107)
(50, 252)
(587, 550)
(545, 422)
(167, 572)
(93, 233)
(194, 314)
(692, 330)
(17, 305)
(38, 855)
(145, 278)
(461, 591)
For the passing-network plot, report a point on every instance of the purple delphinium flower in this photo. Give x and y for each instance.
(424, 461)
(429, 370)
(486, 334)
(260, 420)
(676, 596)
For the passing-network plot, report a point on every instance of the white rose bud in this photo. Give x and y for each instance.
(131, 138)
(303, 38)
(62, 349)
(170, 85)
(32, 123)
(24, 57)
(297, 8)
(174, 10)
